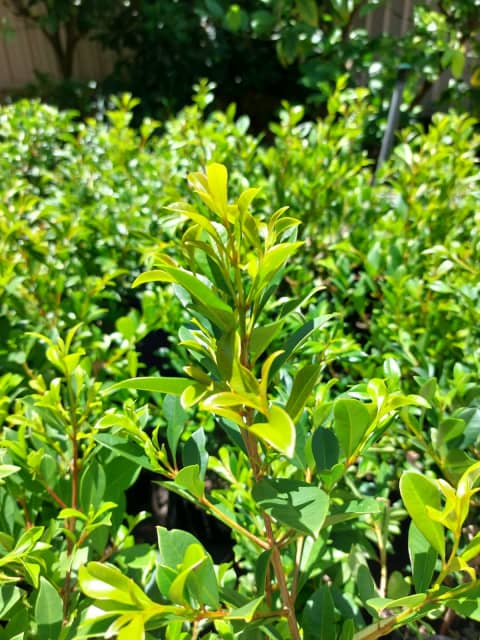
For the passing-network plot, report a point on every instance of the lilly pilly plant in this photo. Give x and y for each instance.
(288, 484)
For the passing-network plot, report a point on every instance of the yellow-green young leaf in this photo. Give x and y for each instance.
(247, 611)
(128, 627)
(106, 582)
(178, 591)
(217, 176)
(267, 365)
(8, 470)
(448, 516)
(243, 381)
(380, 604)
(275, 258)
(198, 181)
(472, 549)
(417, 493)
(459, 564)
(230, 399)
(458, 63)
(278, 432)
(468, 480)
(246, 198)
(188, 211)
(192, 394)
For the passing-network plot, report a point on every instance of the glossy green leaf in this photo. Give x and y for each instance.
(261, 568)
(367, 589)
(352, 421)
(125, 448)
(417, 493)
(302, 388)
(173, 386)
(185, 571)
(325, 448)
(194, 451)
(48, 611)
(93, 484)
(352, 509)
(210, 304)
(423, 558)
(296, 504)
(10, 594)
(189, 478)
(278, 432)
(202, 581)
(397, 586)
(262, 336)
(172, 545)
(318, 616)
(176, 417)
(298, 337)
(466, 608)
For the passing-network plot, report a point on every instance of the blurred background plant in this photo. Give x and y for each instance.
(262, 51)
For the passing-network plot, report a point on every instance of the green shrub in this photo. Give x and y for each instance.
(292, 467)
(384, 285)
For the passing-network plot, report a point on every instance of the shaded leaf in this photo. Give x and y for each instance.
(296, 504)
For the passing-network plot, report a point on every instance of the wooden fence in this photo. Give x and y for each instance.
(24, 50)
(27, 50)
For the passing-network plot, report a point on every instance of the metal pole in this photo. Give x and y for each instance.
(393, 117)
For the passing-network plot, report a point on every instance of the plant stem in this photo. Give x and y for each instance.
(52, 493)
(382, 552)
(288, 601)
(296, 574)
(276, 560)
(218, 513)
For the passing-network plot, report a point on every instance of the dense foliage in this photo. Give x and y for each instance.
(328, 355)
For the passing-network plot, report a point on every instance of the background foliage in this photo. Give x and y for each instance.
(260, 51)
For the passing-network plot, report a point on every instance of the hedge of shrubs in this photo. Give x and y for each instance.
(381, 300)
